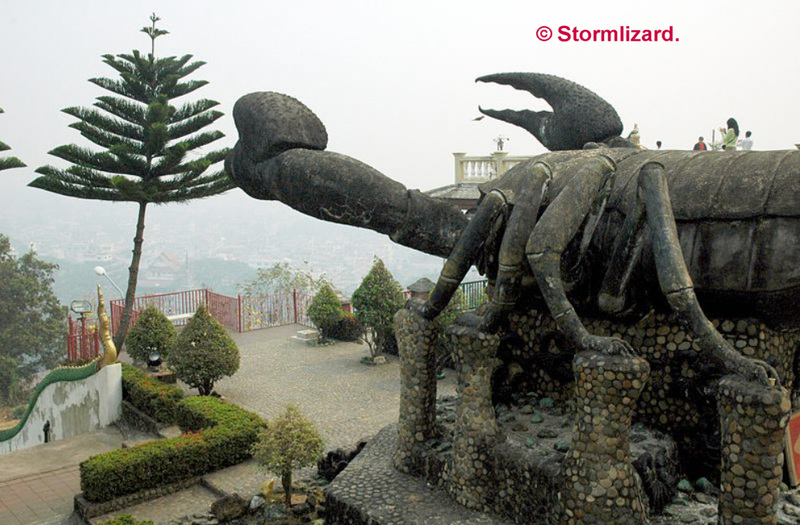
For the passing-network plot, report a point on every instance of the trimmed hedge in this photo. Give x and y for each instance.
(347, 328)
(219, 435)
(156, 399)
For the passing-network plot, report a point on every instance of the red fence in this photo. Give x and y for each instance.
(83, 340)
(265, 311)
(239, 314)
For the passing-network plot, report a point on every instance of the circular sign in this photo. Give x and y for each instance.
(81, 307)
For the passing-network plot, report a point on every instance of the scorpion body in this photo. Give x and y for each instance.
(738, 222)
(607, 228)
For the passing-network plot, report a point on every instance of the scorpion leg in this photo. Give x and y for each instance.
(676, 284)
(612, 298)
(463, 255)
(512, 249)
(559, 224)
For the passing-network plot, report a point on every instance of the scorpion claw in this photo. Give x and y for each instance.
(269, 124)
(579, 115)
(764, 373)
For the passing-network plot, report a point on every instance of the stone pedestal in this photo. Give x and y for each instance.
(416, 340)
(476, 432)
(600, 483)
(753, 421)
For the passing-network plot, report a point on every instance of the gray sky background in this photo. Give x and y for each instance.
(393, 80)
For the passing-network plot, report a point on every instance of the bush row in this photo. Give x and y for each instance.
(346, 328)
(156, 399)
(219, 435)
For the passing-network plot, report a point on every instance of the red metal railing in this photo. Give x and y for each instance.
(224, 309)
(265, 311)
(83, 340)
(240, 314)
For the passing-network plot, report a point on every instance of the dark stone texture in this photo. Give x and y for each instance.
(371, 491)
(335, 461)
(229, 507)
(753, 422)
(680, 397)
(579, 115)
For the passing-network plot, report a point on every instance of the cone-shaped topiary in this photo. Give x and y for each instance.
(325, 310)
(204, 353)
(375, 301)
(152, 332)
(289, 442)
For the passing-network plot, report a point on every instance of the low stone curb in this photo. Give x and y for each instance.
(88, 509)
(138, 419)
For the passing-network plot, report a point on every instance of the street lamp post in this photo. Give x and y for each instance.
(99, 270)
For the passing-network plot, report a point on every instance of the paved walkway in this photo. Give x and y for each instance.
(37, 485)
(345, 398)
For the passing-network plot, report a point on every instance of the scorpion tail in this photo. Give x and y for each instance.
(579, 115)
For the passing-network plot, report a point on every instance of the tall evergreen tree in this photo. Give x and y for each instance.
(8, 162)
(146, 143)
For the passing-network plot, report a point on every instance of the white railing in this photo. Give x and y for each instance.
(477, 169)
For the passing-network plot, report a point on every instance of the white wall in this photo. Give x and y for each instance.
(72, 408)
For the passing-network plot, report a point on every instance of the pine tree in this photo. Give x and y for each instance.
(8, 162)
(375, 301)
(145, 140)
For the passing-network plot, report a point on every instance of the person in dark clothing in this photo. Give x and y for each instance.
(701, 145)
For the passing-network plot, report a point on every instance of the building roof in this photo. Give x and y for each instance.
(460, 191)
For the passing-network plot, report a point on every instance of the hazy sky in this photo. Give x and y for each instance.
(393, 80)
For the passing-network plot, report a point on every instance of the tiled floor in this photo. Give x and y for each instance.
(39, 498)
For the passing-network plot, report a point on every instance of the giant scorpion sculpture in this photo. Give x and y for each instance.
(594, 227)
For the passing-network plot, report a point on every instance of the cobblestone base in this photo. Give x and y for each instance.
(679, 398)
(371, 491)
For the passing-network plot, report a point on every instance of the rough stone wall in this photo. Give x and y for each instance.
(753, 421)
(71, 408)
(416, 341)
(476, 431)
(600, 483)
(678, 399)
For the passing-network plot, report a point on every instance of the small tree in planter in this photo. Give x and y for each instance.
(289, 442)
(152, 332)
(204, 353)
(376, 301)
(325, 310)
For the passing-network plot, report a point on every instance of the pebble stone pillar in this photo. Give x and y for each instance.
(476, 431)
(753, 421)
(600, 483)
(416, 339)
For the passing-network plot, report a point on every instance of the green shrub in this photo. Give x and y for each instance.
(347, 328)
(288, 442)
(156, 399)
(375, 301)
(152, 332)
(220, 435)
(126, 519)
(204, 353)
(325, 310)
